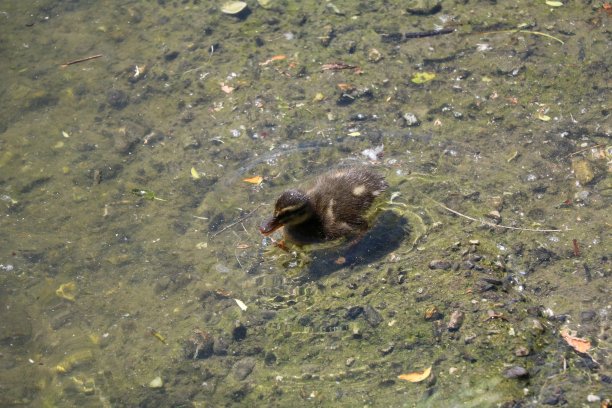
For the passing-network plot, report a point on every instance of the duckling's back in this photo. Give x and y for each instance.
(342, 198)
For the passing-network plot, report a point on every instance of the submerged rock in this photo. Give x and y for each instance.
(243, 368)
(456, 320)
(516, 372)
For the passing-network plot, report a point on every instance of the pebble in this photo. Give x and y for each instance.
(372, 316)
(494, 216)
(243, 368)
(537, 326)
(516, 372)
(411, 119)
(440, 264)
(521, 351)
(220, 346)
(157, 382)
(587, 316)
(432, 313)
(270, 358)
(170, 56)
(424, 7)
(583, 171)
(456, 320)
(354, 312)
(240, 332)
(117, 99)
(388, 349)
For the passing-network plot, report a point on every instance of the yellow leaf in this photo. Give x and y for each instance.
(254, 180)
(554, 3)
(355, 134)
(422, 77)
(543, 117)
(194, 174)
(416, 376)
(67, 291)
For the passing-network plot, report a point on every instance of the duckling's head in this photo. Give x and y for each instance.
(292, 207)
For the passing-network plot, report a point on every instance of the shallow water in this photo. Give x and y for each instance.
(128, 230)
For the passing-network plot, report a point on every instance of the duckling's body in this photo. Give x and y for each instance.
(334, 207)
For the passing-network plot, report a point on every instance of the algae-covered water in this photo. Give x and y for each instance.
(142, 143)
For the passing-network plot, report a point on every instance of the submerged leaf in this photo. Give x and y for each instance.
(194, 174)
(543, 117)
(422, 77)
(274, 58)
(241, 304)
(254, 180)
(147, 194)
(67, 291)
(416, 376)
(580, 345)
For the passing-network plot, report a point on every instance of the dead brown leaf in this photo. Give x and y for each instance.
(579, 344)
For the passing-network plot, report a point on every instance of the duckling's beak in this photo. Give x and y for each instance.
(270, 225)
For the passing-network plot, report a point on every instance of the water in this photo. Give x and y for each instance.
(128, 231)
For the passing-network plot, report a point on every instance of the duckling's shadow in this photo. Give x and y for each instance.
(384, 237)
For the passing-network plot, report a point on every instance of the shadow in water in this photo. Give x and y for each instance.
(386, 235)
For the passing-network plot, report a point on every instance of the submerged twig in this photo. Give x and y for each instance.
(64, 65)
(519, 30)
(490, 224)
(584, 150)
(239, 220)
(401, 37)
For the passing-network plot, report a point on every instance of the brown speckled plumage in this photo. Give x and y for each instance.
(334, 207)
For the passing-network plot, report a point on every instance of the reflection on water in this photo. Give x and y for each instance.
(171, 297)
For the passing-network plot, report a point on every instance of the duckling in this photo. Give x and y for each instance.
(334, 207)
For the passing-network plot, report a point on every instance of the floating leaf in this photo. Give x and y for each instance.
(254, 180)
(422, 77)
(554, 3)
(194, 174)
(580, 345)
(416, 376)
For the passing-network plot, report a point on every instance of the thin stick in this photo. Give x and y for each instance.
(80, 60)
(583, 150)
(490, 224)
(518, 30)
(239, 220)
